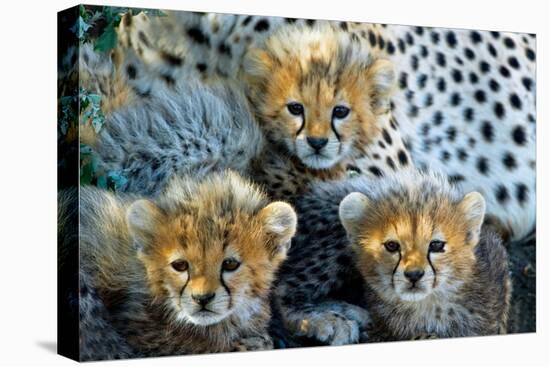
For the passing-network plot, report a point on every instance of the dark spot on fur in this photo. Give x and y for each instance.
(402, 156)
(519, 136)
(521, 193)
(479, 95)
(468, 114)
(527, 83)
(509, 161)
(483, 165)
(197, 36)
(441, 85)
(438, 118)
(504, 71)
(375, 171)
(261, 26)
(454, 179)
(530, 54)
(386, 136)
(508, 42)
(390, 48)
(515, 101)
(475, 36)
(201, 67)
(440, 59)
(131, 71)
(499, 110)
(451, 39)
(171, 59)
(487, 131)
(484, 67)
(513, 62)
(493, 84)
(492, 50)
(501, 194)
(390, 163)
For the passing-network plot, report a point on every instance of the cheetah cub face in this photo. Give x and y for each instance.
(318, 92)
(218, 256)
(416, 240)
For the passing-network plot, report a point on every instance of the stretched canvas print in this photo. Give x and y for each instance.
(236, 182)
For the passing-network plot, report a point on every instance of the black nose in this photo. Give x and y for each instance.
(317, 143)
(203, 299)
(414, 275)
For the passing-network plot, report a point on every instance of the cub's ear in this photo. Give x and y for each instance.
(352, 212)
(382, 80)
(143, 217)
(473, 207)
(279, 221)
(256, 65)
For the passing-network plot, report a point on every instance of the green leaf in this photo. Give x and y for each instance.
(108, 40)
(85, 151)
(80, 28)
(102, 182)
(117, 179)
(95, 98)
(86, 174)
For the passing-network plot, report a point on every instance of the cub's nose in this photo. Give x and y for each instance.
(203, 299)
(414, 275)
(317, 143)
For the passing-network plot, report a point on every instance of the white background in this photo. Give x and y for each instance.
(28, 182)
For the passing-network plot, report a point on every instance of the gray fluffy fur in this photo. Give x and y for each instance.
(189, 129)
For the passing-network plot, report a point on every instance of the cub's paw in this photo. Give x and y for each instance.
(251, 343)
(425, 337)
(326, 326)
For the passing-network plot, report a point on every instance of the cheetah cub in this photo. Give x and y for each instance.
(319, 93)
(398, 258)
(189, 272)
(428, 267)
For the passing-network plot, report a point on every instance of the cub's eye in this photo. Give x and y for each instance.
(295, 108)
(180, 265)
(230, 265)
(340, 112)
(392, 246)
(437, 246)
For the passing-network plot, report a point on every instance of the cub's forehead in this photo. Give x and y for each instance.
(214, 232)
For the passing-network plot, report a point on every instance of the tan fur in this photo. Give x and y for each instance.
(129, 247)
(319, 68)
(463, 290)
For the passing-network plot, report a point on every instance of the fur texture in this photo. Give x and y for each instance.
(465, 102)
(339, 285)
(189, 272)
(191, 129)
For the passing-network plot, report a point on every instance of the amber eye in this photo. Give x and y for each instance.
(230, 264)
(392, 246)
(340, 112)
(180, 265)
(437, 246)
(295, 108)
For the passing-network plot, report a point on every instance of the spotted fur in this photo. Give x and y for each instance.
(340, 278)
(465, 103)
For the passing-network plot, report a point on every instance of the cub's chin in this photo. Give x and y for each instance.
(317, 161)
(413, 294)
(202, 318)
